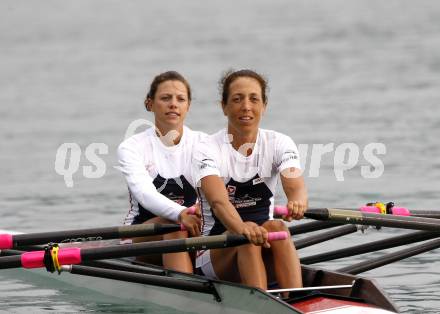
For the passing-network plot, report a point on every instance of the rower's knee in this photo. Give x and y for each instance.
(176, 235)
(249, 250)
(275, 225)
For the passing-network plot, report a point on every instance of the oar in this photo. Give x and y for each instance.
(371, 219)
(362, 218)
(374, 246)
(325, 236)
(398, 211)
(390, 258)
(312, 226)
(73, 255)
(10, 241)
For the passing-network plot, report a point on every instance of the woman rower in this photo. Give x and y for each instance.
(157, 168)
(156, 165)
(247, 161)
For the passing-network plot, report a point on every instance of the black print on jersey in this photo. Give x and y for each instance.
(231, 190)
(206, 163)
(176, 189)
(289, 155)
(251, 200)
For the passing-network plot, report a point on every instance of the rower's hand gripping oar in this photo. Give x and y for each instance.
(190, 220)
(68, 256)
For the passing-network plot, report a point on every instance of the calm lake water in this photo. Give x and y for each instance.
(358, 71)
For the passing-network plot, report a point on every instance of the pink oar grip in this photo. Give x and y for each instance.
(6, 241)
(400, 211)
(278, 235)
(370, 209)
(191, 210)
(66, 256)
(280, 210)
(32, 259)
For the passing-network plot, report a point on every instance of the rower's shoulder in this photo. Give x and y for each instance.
(194, 135)
(136, 140)
(272, 135)
(207, 145)
(220, 137)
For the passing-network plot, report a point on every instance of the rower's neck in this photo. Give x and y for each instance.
(169, 136)
(243, 142)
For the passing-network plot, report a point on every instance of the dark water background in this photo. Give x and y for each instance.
(357, 71)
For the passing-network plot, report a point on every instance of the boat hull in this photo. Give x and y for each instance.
(222, 297)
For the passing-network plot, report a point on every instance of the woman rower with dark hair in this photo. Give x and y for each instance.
(157, 167)
(242, 163)
(155, 164)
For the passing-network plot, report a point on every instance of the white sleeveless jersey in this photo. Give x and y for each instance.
(250, 181)
(159, 177)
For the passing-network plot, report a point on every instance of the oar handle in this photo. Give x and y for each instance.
(6, 241)
(191, 211)
(277, 235)
(280, 210)
(67, 256)
(397, 211)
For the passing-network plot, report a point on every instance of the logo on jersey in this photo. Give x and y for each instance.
(289, 155)
(231, 190)
(207, 163)
(257, 181)
(245, 201)
(176, 198)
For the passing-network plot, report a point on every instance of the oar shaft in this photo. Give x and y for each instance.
(166, 246)
(391, 257)
(426, 213)
(81, 235)
(383, 244)
(312, 226)
(13, 261)
(324, 236)
(360, 218)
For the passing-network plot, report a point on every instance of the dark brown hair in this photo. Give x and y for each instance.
(163, 77)
(230, 76)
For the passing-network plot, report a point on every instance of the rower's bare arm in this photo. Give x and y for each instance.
(217, 196)
(296, 193)
(215, 192)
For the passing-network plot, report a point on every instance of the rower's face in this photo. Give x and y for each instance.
(170, 104)
(245, 105)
